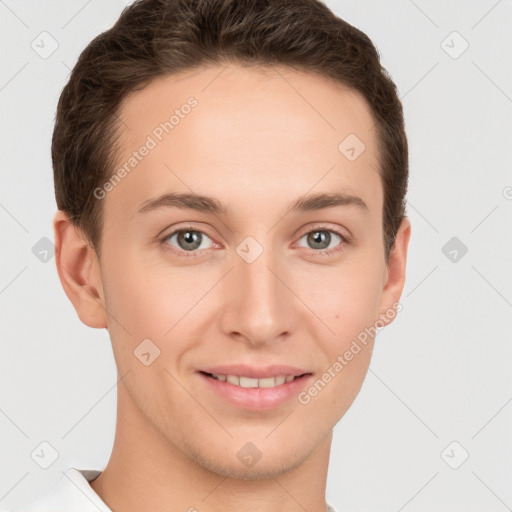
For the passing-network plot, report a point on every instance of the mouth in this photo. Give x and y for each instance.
(255, 392)
(243, 381)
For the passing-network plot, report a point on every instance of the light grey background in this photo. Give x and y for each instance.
(440, 373)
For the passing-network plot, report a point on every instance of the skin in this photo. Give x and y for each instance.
(258, 139)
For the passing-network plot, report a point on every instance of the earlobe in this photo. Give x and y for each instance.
(79, 272)
(395, 271)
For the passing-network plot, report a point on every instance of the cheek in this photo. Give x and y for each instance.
(348, 303)
(155, 302)
(349, 307)
(140, 303)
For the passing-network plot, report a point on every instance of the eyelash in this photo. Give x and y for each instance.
(196, 253)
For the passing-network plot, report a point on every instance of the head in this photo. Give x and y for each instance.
(231, 180)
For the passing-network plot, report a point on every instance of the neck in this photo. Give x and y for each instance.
(146, 471)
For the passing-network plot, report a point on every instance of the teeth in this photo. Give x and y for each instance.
(250, 382)
(233, 379)
(246, 382)
(269, 382)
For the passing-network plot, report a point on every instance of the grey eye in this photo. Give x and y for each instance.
(320, 239)
(189, 239)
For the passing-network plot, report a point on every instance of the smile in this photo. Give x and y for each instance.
(255, 393)
(250, 382)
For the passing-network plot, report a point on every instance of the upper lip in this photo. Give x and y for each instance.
(255, 372)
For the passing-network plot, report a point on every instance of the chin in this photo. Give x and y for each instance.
(231, 466)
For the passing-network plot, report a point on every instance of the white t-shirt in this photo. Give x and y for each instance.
(73, 493)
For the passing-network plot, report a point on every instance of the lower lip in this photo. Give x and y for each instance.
(257, 399)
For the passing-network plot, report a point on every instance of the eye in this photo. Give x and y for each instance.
(320, 239)
(191, 241)
(187, 240)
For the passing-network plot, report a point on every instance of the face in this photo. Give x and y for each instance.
(272, 276)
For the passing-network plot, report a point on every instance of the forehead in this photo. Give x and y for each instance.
(239, 133)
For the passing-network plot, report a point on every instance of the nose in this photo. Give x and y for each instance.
(260, 305)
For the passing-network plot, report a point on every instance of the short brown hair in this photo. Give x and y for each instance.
(153, 38)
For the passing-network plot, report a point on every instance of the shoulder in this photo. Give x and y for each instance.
(330, 508)
(71, 492)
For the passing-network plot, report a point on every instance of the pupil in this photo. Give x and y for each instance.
(190, 237)
(318, 236)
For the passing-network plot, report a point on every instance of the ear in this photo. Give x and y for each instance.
(395, 273)
(79, 271)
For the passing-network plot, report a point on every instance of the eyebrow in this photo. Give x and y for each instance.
(209, 204)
